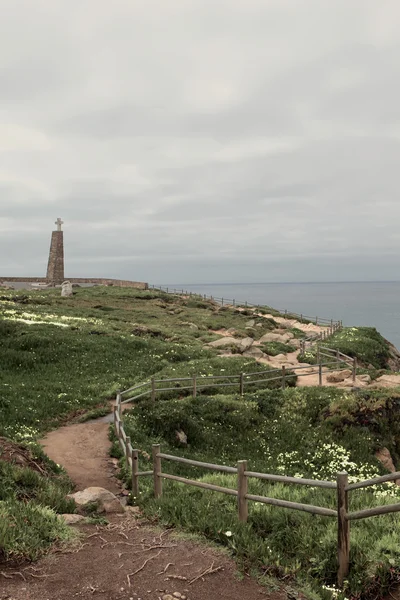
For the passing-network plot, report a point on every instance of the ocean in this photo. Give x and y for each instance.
(372, 304)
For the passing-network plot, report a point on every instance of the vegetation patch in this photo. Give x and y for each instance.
(275, 348)
(33, 490)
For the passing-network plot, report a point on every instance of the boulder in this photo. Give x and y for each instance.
(245, 344)
(105, 500)
(224, 341)
(254, 352)
(66, 289)
(250, 323)
(72, 519)
(189, 324)
(384, 456)
(275, 337)
(338, 376)
(364, 378)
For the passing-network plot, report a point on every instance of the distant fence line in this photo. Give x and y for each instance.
(243, 474)
(238, 303)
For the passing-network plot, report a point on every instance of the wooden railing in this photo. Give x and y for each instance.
(245, 304)
(243, 474)
(238, 383)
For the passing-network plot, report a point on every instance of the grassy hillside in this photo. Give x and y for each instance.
(62, 357)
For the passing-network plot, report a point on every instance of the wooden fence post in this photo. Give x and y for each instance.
(354, 368)
(128, 454)
(153, 389)
(316, 320)
(135, 471)
(283, 377)
(320, 372)
(343, 527)
(194, 386)
(241, 384)
(156, 470)
(222, 301)
(242, 486)
(301, 318)
(234, 304)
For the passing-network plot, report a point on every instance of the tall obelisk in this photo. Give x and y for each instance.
(55, 266)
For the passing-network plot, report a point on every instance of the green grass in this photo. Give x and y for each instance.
(275, 348)
(31, 495)
(62, 357)
(306, 432)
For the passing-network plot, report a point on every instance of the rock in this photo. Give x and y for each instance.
(179, 595)
(245, 344)
(386, 381)
(364, 378)
(72, 519)
(181, 437)
(224, 341)
(254, 352)
(105, 499)
(250, 323)
(66, 289)
(231, 330)
(338, 376)
(189, 324)
(167, 597)
(384, 456)
(275, 337)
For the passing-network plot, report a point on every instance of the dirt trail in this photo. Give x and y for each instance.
(109, 563)
(127, 559)
(82, 450)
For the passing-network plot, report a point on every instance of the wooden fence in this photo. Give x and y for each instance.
(342, 487)
(333, 361)
(244, 304)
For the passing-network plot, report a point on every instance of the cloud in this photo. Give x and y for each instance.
(191, 140)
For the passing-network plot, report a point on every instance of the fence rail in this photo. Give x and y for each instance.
(239, 382)
(238, 303)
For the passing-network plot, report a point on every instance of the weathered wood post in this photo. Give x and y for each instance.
(128, 455)
(222, 301)
(343, 527)
(241, 384)
(194, 386)
(153, 389)
(135, 471)
(354, 369)
(283, 377)
(316, 320)
(234, 303)
(242, 486)
(157, 471)
(301, 318)
(320, 372)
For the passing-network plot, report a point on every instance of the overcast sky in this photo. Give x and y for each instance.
(201, 140)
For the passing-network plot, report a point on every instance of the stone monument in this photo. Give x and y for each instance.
(55, 266)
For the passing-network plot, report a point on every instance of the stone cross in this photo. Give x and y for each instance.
(59, 222)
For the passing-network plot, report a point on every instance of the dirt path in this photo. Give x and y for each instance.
(127, 559)
(82, 450)
(109, 563)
